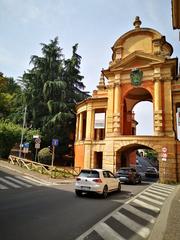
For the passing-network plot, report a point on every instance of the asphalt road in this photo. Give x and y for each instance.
(53, 212)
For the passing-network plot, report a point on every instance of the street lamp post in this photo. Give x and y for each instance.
(22, 132)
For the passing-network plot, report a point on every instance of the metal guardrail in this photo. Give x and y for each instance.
(53, 172)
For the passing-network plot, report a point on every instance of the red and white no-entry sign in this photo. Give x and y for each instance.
(164, 149)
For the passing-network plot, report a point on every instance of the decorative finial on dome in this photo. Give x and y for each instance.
(137, 22)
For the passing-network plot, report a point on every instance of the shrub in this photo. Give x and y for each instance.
(45, 156)
(10, 134)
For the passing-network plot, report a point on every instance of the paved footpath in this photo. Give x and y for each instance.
(135, 219)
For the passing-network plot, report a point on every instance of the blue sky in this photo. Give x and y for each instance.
(94, 24)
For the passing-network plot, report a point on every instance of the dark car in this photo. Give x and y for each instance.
(152, 172)
(128, 175)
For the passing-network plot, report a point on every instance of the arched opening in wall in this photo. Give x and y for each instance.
(178, 121)
(135, 97)
(141, 158)
(143, 115)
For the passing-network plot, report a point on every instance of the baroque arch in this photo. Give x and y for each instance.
(141, 69)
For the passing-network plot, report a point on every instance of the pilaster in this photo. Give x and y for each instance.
(110, 109)
(117, 104)
(158, 113)
(168, 111)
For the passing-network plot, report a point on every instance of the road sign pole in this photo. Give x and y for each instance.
(36, 154)
(53, 154)
(22, 131)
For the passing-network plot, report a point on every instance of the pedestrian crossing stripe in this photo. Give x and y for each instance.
(17, 182)
(132, 215)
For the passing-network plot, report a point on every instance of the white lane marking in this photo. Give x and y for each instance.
(140, 214)
(107, 232)
(160, 190)
(34, 181)
(146, 205)
(158, 193)
(132, 225)
(2, 187)
(26, 180)
(154, 195)
(9, 183)
(19, 182)
(165, 186)
(151, 200)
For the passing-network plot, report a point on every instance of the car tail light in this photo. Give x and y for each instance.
(78, 179)
(97, 180)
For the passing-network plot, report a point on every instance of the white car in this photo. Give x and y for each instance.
(96, 180)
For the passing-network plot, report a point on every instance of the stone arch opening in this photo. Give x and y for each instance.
(139, 156)
(133, 97)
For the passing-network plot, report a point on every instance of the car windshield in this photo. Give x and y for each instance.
(89, 174)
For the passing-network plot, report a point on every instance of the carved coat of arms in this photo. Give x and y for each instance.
(136, 76)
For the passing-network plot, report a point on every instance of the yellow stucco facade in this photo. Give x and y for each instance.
(141, 69)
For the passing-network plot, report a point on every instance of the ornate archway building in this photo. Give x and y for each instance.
(141, 70)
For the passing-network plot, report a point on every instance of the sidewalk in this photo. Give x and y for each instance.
(167, 226)
(33, 174)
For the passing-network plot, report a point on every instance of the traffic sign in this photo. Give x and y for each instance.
(37, 140)
(55, 142)
(164, 149)
(26, 145)
(37, 145)
(25, 150)
(164, 155)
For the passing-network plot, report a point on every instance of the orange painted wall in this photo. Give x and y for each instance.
(132, 158)
(79, 156)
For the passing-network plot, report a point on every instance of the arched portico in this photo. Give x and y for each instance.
(141, 70)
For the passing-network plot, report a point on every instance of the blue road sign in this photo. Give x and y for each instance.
(26, 145)
(55, 142)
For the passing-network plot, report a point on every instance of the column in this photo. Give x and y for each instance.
(89, 123)
(80, 126)
(77, 127)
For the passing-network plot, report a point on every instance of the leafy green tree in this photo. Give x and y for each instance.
(51, 89)
(9, 98)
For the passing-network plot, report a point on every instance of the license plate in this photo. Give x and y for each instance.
(123, 178)
(85, 188)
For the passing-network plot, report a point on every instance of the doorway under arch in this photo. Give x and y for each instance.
(139, 156)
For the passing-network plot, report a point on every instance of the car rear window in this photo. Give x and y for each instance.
(124, 170)
(89, 174)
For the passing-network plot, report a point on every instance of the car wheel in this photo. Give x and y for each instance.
(105, 191)
(119, 187)
(78, 193)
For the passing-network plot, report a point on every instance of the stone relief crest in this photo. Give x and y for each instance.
(136, 76)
